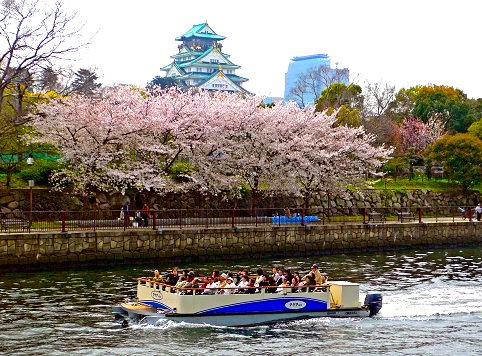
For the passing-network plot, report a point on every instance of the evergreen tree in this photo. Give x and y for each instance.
(161, 82)
(49, 80)
(85, 82)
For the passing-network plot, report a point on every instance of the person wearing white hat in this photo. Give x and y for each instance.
(230, 286)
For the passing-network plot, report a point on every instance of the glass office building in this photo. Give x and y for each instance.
(307, 66)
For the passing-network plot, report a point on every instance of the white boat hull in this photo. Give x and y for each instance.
(151, 316)
(157, 302)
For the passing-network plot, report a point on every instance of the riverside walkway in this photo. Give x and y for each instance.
(63, 221)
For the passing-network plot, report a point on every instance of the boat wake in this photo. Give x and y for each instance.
(432, 300)
(167, 324)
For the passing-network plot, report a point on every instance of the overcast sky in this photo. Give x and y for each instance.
(404, 43)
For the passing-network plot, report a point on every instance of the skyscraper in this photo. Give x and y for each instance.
(308, 76)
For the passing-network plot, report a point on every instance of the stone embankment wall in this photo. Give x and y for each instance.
(14, 202)
(30, 250)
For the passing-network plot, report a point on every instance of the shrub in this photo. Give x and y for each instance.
(180, 171)
(40, 171)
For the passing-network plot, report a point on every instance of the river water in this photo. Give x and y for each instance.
(432, 305)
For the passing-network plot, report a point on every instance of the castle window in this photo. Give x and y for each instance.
(214, 60)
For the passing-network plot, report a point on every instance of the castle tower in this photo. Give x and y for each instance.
(201, 63)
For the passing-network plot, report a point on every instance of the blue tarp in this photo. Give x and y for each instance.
(293, 219)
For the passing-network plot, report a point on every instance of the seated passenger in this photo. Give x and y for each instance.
(173, 277)
(295, 283)
(264, 282)
(243, 284)
(283, 287)
(222, 283)
(315, 273)
(211, 286)
(324, 277)
(309, 281)
(181, 282)
(157, 276)
(251, 287)
(275, 274)
(260, 277)
(230, 286)
(272, 284)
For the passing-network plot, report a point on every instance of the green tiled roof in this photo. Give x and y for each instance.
(195, 31)
(196, 61)
(236, 78)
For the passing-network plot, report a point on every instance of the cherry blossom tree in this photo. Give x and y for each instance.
(325, 157)
(107, 142)
(417, 135)
(129, 138)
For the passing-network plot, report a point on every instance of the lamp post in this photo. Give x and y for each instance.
(31, 184)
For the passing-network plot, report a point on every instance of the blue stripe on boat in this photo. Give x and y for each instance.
(269, 305)
(154, 304)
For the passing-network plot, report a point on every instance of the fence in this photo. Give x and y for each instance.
(63, 221)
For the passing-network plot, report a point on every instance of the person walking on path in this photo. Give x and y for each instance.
(125, 212)
(478, 211)
(145, 215)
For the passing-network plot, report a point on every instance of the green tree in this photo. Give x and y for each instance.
(161, 82)
(49, 80)
(348, 100)
(85, 82)
(476, 129)
(338, 94)
(461, 156)
(348, 117)
(424, 102)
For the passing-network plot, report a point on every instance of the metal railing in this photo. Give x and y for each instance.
(63, 221)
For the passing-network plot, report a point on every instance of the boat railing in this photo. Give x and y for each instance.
(147, 282)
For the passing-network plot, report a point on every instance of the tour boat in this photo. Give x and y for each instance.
(157, 301)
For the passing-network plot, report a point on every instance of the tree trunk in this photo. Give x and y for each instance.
(254, 201)
(9, 176)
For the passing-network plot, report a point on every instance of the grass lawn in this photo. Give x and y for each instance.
(435, 185)
(17, 182)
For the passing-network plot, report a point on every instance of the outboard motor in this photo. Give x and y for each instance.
(374, 302)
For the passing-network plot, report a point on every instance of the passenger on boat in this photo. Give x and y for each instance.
(275, 274)
(283, 287)
(251, 287)
(267, 282)
(325, 278)
(181, 282)
(295, 283)
(173, 277)
(189, 281)
(243, 284)
(287, 274)
(309, 281)
(230, 286)
(260, 277)
(315, 273)
(211, 287)
(157, 276)
(222, 283)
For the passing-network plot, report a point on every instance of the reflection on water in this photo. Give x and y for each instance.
(432, 305)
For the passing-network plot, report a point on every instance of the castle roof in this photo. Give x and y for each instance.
(201, 30)
(220, 76)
